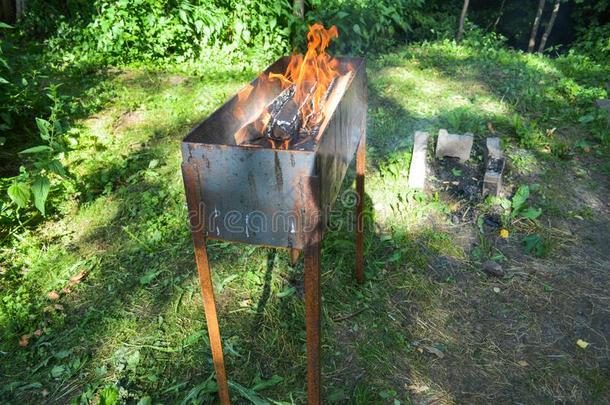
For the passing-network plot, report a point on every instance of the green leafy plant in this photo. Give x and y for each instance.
(366, 24)
(160, 30)
(518, 206)
(109, 395)
(396, 165)
(527, 132)
(33, 184)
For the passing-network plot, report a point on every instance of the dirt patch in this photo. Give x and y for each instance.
(176, 80)
(459, 180)
(513, 339)
(129, 119)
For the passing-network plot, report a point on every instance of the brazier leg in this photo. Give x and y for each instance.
(190, 175)
(294, 256)
(360, 164)
(312, 319)
(209, 306)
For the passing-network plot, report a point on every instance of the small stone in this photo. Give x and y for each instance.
(417, 171)
(454, 145)
(496, 290)
(492, 268)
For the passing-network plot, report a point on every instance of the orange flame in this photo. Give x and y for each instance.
(312, 74)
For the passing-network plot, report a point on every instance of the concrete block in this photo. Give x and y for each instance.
(494, 150)
(494, 167)
(417, 171)
(454, 145)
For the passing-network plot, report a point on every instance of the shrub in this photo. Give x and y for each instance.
(151, 30)
(366, 25)
(144, 30)
(594, 41)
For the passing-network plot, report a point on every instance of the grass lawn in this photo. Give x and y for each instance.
(428, 326)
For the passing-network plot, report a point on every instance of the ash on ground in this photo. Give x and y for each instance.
(459, 180)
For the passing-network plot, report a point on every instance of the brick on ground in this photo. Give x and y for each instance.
(454, 145)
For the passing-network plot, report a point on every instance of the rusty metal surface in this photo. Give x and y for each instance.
(259, 195)
(193, 194)
(340, 140)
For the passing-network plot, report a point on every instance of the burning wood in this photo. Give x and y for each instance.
(294, 116)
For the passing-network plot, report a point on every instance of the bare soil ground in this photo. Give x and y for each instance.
(514, 339)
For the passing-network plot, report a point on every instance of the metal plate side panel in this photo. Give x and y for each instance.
(253, 196)
(340, 140)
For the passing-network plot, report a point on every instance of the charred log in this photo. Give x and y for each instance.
(281, 124)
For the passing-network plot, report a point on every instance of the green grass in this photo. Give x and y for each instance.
(135, 323)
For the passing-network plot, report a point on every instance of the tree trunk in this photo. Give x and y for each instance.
(299, 8)
(549, 27)
(534, 33)
(500, 13)
(19, 8)
(460, 32)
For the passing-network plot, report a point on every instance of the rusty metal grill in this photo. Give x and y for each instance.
(274, 197)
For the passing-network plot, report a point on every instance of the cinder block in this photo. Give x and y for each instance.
(494, 150)
(417, 171)
(494, 167)
(454, 145)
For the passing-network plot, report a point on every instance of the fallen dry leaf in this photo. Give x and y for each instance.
(66, 290)
(77, 278)
(582, 344)
(24, 340)
(38, 332)
(523, 363)
(53, 296)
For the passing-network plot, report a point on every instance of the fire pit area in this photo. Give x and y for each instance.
(266, 168)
